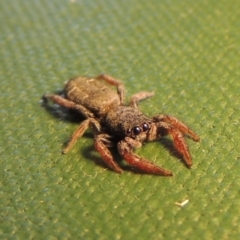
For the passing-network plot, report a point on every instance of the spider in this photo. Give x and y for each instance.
(115, 123)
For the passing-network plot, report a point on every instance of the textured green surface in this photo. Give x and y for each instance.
(188, 52)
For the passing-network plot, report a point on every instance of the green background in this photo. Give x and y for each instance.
(188, 52)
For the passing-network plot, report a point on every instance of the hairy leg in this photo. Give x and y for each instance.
(68, 104)
(179, 142)
(80, 131)
(115, 82)
(101, 143)
(126, 151)
(177, 124)
(139, 97)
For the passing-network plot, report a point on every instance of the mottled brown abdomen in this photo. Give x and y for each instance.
(92, 93)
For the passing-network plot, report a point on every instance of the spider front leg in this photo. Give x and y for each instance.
(101, 144)
(177, 124)
(125, 148)
(164, 129)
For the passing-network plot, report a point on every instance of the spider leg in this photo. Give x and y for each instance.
(178, 140)
(115, 82)
(80, 131)
(177, 124)
(139, 97)
(125, 149)
(101, 143)
(68, 104)
(83, 126)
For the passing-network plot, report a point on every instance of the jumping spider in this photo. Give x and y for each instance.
(115, 123)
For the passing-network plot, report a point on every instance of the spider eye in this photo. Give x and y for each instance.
(128, 131)
(136, 130)
(145, 127)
